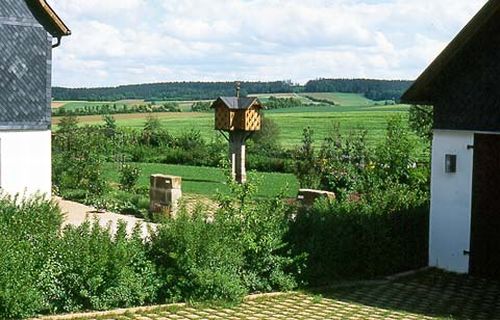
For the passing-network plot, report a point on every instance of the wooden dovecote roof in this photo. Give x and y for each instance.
(480, 35)
(48, 18)
(235, 103)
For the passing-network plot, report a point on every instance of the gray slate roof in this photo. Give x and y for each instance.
(237, 103)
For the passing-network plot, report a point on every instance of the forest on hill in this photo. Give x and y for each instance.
(170, 91)
(372, 89)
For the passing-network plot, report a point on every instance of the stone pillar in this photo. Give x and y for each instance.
(164, 193)
(237, 150)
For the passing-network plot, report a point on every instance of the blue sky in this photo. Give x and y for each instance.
(136, 41)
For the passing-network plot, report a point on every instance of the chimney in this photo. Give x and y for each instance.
(238, 89)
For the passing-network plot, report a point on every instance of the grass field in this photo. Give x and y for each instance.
(207, 181)
(74, 105)
(342, 99)
(290, 121)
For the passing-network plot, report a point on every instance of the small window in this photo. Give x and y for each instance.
(451, 163)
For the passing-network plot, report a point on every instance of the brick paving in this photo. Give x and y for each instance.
(430, 295)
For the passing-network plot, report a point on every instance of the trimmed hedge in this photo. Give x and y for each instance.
(357, 240)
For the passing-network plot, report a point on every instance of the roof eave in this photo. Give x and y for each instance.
(419, 91)
(52, 22)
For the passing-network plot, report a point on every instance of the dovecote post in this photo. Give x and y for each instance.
(237, 118)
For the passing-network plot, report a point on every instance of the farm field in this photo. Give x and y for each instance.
(342, 99)
(207, 181)
(290, 121)
(74, 105)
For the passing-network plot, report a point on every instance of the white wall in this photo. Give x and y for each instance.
(451, 201)
(25, 162)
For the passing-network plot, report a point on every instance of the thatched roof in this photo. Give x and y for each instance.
(429, 86)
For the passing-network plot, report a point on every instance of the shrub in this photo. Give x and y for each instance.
(99, 271)
(239, 249)
(44, 271)
(344, 162)
(383, 234)
(197, 261)
(266, 141)
(28, 230)
(201, 106)
(421, 120)
(129, 175)
(306, 162)
(260, 226)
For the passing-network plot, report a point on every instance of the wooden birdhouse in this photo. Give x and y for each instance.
(240, 116)
(237, 114)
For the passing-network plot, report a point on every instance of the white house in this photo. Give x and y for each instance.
(29, 29)
(463, 85)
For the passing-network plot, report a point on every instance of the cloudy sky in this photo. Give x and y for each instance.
(136, 41)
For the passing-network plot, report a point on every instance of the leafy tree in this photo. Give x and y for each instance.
(421, 121)
(306, 167)
(344, 162)
(267, 139)
(68, 123)
(109, 125)
(201, 106)
(396, 156)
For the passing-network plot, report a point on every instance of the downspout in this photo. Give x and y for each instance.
(58, 42)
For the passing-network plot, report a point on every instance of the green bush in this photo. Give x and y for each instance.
(129, 175)
(380, 235)
(44, 271)
(28, 231)
(238, 250)
(197, 260)
(99, 271)
(260, 226)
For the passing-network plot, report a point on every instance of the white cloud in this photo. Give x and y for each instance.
(133, 41)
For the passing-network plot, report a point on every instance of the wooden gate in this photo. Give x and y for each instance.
(485, 228)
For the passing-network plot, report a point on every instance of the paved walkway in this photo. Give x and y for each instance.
(430, 295)
(76, 214)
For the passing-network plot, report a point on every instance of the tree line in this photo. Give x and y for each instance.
(170, 91)
(371, 88)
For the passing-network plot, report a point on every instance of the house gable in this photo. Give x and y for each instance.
(463, 83)
(25, 65)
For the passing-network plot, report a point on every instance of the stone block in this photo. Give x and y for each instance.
(308, 196)
(164, 193)
(165, 182)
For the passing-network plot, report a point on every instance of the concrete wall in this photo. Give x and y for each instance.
(451, 201)
(25, 162)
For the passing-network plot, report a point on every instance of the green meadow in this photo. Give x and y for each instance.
(351, 112)
(290, 121)
(209, 181)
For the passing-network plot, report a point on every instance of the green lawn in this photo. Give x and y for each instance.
(207, 181)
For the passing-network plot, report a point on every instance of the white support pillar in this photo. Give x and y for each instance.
(237, 150)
